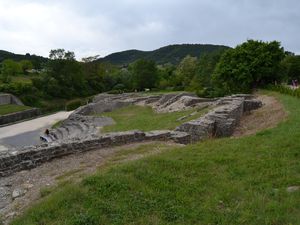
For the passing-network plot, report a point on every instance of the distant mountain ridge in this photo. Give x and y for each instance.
(18, 57)
(168, 54)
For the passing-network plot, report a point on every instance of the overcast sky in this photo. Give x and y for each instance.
(90, 27)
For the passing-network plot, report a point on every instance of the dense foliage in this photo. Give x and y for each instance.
(37, 61)
(144, 74)
(64, 76)
(250, 65)
(292, 65)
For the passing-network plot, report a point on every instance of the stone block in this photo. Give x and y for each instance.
(181, 137)
(158, 135)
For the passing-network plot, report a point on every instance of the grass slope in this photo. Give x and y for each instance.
(224, 181)
(145, 119)
(7, 109)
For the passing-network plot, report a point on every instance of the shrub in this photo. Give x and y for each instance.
(119, 87)
(284, 90)
(74, 104)
(115, 92)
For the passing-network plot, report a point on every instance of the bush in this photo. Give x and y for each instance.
(52, 106)
(119, 87)
(285, 90)
(115, 92)
(178, 88)
(74, 104)
(30, 100)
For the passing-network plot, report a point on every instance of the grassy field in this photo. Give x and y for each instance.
(7, 109)
(145, 119)
(224, 181)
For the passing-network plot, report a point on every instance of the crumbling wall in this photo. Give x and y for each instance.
(222, 120)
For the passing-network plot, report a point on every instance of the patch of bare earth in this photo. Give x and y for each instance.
(28, 184)
(268, 116)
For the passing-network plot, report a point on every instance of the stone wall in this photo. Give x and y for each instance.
(31, 157)
(13, 117)
(222, 120)
(6, 99)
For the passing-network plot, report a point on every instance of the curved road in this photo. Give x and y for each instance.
(28, 132)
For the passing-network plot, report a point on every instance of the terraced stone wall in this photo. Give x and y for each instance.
(220, 122)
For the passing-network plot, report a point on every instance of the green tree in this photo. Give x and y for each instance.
(292, 65)
(64, 77)
(59, 54)
(25, 65)
(185, 71)
(166, 74)
(9, 68)
(144, 74)
(201, 82)
(249, 65)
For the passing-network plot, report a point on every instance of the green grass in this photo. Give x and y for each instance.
(223, 181)
(7, 109)
(145, 119)
(57, 124)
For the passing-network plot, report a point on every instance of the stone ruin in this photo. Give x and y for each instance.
(80, 132)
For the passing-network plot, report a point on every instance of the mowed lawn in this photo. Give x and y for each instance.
(7, 109)
(146, 119)
(224, 181)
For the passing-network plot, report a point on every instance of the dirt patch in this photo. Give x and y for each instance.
(19, 191)
(268, 116)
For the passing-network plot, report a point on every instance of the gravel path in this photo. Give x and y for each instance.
(269, 115)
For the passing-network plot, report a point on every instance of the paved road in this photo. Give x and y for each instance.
(28, 132)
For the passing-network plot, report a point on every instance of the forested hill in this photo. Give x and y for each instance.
(18, 57)
(169, 54)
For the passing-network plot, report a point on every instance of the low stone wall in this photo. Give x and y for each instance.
(13, 117)
(221, 121)
(31, 157)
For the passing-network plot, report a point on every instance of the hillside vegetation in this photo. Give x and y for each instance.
(37, 60)
(223, 181)
(168, 54)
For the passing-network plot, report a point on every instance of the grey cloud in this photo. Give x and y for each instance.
(101, 27)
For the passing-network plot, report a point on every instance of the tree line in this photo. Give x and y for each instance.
(252, 64)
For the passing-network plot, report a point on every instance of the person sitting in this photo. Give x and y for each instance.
(47, 132)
